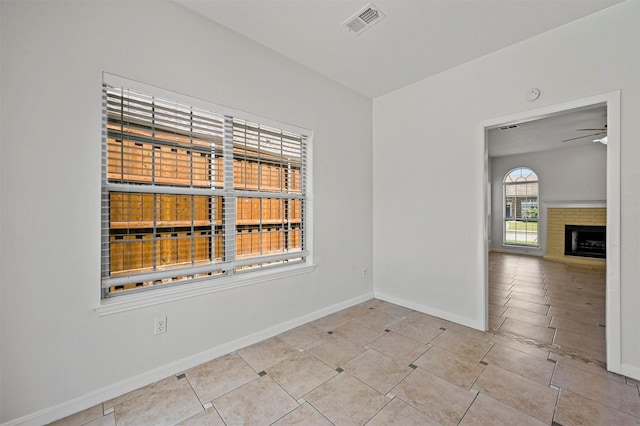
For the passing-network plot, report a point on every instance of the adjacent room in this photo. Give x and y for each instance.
(319, 212)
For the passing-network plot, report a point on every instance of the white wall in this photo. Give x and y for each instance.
(569, 175)
(55, 348)
(428, 162)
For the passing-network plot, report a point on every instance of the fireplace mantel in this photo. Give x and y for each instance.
(575, 204)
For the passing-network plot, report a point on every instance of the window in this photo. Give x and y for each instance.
(192, 193)
(521, 207)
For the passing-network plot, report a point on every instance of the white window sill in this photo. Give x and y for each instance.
(163, 295)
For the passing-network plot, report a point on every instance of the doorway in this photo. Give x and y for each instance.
(611, 101)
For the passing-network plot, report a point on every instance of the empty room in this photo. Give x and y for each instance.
(319, 212)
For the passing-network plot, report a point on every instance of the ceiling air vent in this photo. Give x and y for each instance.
(364, 19)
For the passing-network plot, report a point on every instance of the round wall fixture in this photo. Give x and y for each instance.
(532, 95)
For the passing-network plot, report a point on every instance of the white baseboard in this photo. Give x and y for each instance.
(430, 310)
(630, 371)
(112, 391)
(515, 250)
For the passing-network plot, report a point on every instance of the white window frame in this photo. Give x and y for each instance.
(232, 278)
(514, 208)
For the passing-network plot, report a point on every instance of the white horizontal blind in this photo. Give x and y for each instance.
(189, 194)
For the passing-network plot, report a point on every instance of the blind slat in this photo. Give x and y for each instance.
(180, 204)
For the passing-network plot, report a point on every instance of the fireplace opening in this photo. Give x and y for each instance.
(585, 241)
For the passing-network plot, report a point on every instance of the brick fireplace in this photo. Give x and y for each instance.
(557, 221)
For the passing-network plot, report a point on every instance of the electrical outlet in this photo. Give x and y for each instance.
(160, 326)
(364, 272)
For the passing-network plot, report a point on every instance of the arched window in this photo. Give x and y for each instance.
(520, 207)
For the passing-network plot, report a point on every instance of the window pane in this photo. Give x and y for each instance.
(266, 159)
(174, 201)
(150, 232)
(521, 207)
(154, 141)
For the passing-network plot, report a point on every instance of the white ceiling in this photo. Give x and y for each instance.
(416, 40)
(549, 133)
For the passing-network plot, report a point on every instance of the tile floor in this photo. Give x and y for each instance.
(542, 362)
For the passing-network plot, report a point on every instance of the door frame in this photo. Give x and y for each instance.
(613, 301)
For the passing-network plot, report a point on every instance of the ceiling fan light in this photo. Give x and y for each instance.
(602, 140)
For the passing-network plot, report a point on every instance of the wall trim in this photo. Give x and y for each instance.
(630, 371)
(160, 295)
(430, 310)
(574, 204)
(112, 391)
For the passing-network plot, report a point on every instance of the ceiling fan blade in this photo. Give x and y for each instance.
(592, 130)
(585, 136)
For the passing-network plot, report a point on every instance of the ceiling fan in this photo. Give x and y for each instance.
(600, 131)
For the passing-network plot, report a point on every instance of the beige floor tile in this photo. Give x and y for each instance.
(564, 292)
(215, 378)
(495, 322)
(260, 402)
(458, 370)
(499, 277)
(300, 374)
(512, 343)
(358, 333)
(370, 304)
(500, 292)
(574, 410)
(334, 320)
(398, 412)
(595, 368)
(435, 397)
(425, 320)
(526, 316)
(528, 366)
(361, 308)
(168, 401)
(395, 310)
(497, 300)
(345, 400)
(609, 392)
(107, 405)
(525, 329)
(377, 319)
(208, 417)
(399, 347)
(523, 394)
(81, 418)
(576, 304)
(579, 327)
(302, 336)
(334, 350)
(465, 346)
(377, 370)
(541, 300)
(499, 285)
(530, 275)
(108, 420)
(588, 346)
(496, 309)
(487, 411)
(535, 291)
(266, 353)
(528, 306)
(416, 331)
(304, 415)
(573, 314)
(468, 331)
